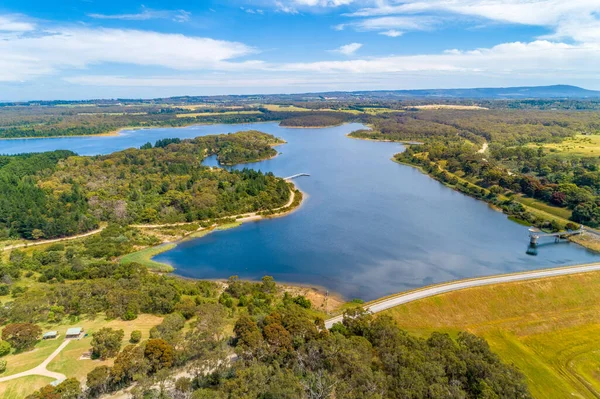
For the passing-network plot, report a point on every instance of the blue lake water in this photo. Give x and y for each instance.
(368, 227)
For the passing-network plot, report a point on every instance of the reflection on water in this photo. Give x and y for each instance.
(369, 227)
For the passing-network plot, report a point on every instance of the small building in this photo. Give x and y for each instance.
(50, 335)
(74, 332)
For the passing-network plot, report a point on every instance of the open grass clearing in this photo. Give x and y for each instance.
(554, 210)
(68, 363)
(145, 256)
(547, 327)
(21, 387)
(580, 145)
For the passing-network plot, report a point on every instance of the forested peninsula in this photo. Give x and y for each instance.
(58, 194)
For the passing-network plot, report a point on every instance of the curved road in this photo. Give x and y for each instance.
(42, 242)
(426, 292)
(41, 369)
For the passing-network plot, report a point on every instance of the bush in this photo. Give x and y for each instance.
(4, 348)
(2, 366)
(136, 336)
(302, 301)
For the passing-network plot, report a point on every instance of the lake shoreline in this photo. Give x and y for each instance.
(163, 267)
(119, 131)
(591, 245)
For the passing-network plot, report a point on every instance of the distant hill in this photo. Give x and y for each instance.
(489, 93)
(556, 91)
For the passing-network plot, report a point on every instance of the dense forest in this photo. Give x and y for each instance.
(279, 347)
(317, 119)
(514, 164)
(79, 120)
(59, 194)
(72, 118)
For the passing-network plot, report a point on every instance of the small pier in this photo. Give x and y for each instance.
(536, 234)
(296, 175)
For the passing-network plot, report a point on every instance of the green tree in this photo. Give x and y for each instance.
(106, 342)
(98, 381)
(170, 328)
(159, 353)
(21, 336)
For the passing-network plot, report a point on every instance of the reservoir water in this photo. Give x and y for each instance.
(368, 227)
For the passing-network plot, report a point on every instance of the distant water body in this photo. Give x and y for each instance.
(368, 228)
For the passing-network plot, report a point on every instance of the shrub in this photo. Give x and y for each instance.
(136, 336)
(302, 301)
(4, 348)
(2, 366)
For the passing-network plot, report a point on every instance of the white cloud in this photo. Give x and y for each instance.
(285, 8)
(574, 19)
(12, 23)
(30, 56)
(348, 49)
(392, 33)
(538, 57)
(252, 10)
(393, 23)
(147, 14)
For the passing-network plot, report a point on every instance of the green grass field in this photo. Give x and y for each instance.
(580, 145)
(21, 387)
(145, 256)
(539, 205)
(68, 361)
(549, 328)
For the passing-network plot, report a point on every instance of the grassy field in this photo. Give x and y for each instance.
(145, 256)
(68, 361)
(20, 388)
(580, 145)
(549, 328)
(553, 210)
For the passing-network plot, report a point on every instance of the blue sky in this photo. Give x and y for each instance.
(78, 49)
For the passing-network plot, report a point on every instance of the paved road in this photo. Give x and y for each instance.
(41, 369)
(426, 292)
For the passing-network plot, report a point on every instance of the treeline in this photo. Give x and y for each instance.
(505, 171)
(58, 194)
(79, 120)
(507, 127)
(317, 119)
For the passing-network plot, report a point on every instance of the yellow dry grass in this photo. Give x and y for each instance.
(580, 145)
(549, 328)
